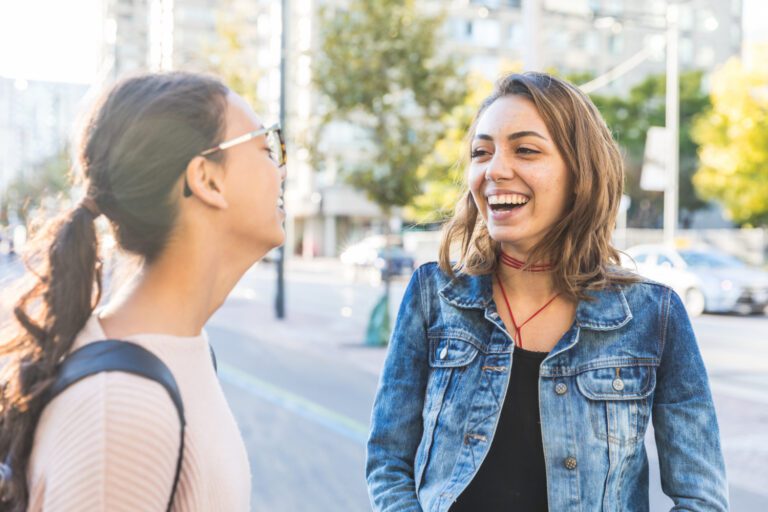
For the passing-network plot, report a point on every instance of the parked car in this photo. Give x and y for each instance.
(394, 261)
(373, 252)
(707, 279)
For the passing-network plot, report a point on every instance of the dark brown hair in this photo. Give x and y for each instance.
(135, 148)
(579, 245)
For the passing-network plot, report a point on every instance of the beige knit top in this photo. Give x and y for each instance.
(110, 442)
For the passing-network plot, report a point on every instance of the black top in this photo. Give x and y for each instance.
(512, 476)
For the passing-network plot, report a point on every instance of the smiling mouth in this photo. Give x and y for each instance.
(507, 202)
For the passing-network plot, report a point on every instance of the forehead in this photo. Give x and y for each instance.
(510, 114)
(240, 116)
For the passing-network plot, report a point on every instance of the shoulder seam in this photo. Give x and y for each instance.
(665, 318)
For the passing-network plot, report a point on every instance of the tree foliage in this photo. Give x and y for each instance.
(734, 143)
(232, 56)
(442, 171)
(379, 69)
(629, 118)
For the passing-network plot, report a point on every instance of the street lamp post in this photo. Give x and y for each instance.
(672, 124)
(280, 293)
(531, 13)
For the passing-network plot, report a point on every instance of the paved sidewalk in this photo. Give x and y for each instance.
(303, 329)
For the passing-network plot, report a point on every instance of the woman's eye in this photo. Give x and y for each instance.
(527, 151)
(478, 153)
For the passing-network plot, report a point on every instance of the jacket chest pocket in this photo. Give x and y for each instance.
(448, 358)
(618, 401)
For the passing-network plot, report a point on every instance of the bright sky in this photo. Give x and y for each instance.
(55, 40)
(60, 40)
(755, 21)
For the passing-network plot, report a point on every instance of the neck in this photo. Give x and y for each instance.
(179, 292)
(536, 283)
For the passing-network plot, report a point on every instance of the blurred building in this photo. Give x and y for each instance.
(574, 37)
(36, 121)
(197, 35)
(593, 36)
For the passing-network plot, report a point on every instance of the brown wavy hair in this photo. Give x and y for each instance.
(579, 244)
(134, 149)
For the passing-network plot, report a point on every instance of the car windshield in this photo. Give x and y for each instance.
(710, 259)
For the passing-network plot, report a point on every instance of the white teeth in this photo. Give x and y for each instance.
(507, 199)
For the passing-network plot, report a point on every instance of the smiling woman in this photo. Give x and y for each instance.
(524, 375)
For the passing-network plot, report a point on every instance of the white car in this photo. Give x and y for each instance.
(664, 264)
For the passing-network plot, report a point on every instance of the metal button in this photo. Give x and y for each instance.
(494, 315)
(570, 463)
(561, 388)
(618, 384)
(444, 353)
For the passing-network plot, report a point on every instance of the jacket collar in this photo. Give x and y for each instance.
(607, 311)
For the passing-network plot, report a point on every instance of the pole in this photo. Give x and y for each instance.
(531, 31)
(280, 288)
(673, 125)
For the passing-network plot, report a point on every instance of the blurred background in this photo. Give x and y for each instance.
(376, 98)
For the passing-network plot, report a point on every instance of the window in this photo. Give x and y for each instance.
(663, 261)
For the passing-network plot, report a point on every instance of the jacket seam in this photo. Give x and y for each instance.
(665, 321)
(424, 305)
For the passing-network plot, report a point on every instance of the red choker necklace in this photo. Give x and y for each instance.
(513, 262)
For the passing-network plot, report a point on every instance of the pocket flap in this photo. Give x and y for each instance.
(617, 383)
(451, 352)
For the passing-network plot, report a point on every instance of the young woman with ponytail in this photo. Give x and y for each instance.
(190, 181)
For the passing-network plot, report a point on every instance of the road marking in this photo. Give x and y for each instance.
(297, 404)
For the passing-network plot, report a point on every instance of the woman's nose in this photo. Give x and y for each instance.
(498, 169)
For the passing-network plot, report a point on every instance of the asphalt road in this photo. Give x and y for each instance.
(302, 389)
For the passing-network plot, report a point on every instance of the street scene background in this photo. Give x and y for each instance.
(375, 99)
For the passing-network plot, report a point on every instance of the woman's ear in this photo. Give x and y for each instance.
(205, 181)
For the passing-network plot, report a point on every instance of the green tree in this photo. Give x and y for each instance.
(379, 69)
(630, 117)
(734, 143)
(442, 171)
(232, 56)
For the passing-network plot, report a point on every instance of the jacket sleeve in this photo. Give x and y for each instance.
(396, 423)
(685, 425)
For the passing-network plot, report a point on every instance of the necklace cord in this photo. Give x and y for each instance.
(518, 332)
(515, 263)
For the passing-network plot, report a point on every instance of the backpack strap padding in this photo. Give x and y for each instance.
(126, 357)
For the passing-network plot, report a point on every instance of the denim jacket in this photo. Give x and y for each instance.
(629, 356)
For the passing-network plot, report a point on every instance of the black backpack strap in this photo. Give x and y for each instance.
(121, 356)
(213, 359)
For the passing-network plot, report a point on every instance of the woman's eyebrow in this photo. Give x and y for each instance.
(513, 136)
(526, 133)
